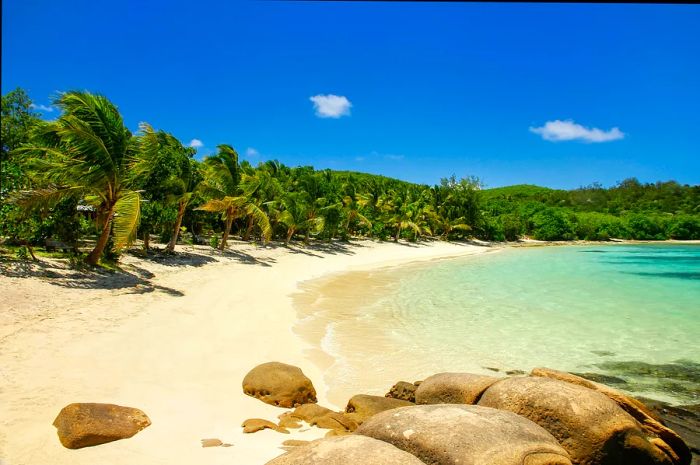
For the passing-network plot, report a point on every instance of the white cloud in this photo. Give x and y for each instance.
(46, 108)
(251, 152)
(196, 143)
(394, 157)
(558, 130)
(331, 106)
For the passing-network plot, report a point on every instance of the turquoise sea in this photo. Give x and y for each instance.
(630, 313)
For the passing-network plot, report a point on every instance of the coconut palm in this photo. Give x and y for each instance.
(221, 178)
(299, 215)
(259, 189)
(222, 181)
(88, 153)
(168, 170)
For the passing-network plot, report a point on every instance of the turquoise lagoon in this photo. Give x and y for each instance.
(628, 312)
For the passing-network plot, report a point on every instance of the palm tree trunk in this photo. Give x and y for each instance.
(290, 233)
(398, 233)
(227, 228)
(176, 231)
(30, 249)
(94, 256)
(249, 229)
(146, 241)
(306, 237)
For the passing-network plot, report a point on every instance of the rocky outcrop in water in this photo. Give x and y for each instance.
(589, 425)
(546, 418)
(649, 421)
(279, 384)
(89, 424)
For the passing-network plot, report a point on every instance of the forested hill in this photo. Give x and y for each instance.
(84, 179)
(628, 210)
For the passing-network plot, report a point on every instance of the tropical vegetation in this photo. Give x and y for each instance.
(84, 179)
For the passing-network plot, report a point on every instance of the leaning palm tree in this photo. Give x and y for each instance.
(259, 190)
(221, 179)
(88, 153)
(299, 215)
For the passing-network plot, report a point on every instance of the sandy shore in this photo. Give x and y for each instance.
(174, 338)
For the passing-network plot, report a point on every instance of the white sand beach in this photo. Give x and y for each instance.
(174, 339)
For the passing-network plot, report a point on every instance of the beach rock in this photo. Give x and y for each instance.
(346, 450)
(288, 421)
(684, 420)
(279, 384)
(335, 421)
(253, 425)
(309, 412)
(403, 390)
(591, 427)
(212, 442)
(89, 424)
(294, 442)
(362, 406)
(666, 438)
(466, 435)
(453, 388)
(337, 432)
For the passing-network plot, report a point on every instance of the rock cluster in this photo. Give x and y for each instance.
(546, 418)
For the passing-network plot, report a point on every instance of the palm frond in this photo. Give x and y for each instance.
(44, 198)
(127, 212)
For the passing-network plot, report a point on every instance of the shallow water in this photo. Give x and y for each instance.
(627, 311)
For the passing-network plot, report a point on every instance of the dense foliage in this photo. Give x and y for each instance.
(85, 179)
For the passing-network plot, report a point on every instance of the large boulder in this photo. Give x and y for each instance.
(279, 384)
(466, 435)
(590, 426)
(453, 388)
(346, 450)
(89, 424)
(662, 436)
(362, 406)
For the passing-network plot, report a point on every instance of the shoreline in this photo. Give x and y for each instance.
(171, 343)
(332, 320)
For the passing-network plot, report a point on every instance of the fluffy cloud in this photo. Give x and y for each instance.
(41, 107)
(558, 130)
(196, 143)
(251, 152)
(331, 106)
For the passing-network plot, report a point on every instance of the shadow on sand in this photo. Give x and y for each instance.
(135, 279)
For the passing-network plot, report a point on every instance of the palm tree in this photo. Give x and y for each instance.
(298, 215)
(221, 178)
(89, 153)
(174, 175)
(259, 190)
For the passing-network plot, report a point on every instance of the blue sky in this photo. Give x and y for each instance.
(549, 94)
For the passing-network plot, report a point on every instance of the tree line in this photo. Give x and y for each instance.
(85, 178)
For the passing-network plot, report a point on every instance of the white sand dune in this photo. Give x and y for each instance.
(176, 345)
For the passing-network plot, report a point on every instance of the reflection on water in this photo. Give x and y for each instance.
(595, 310)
